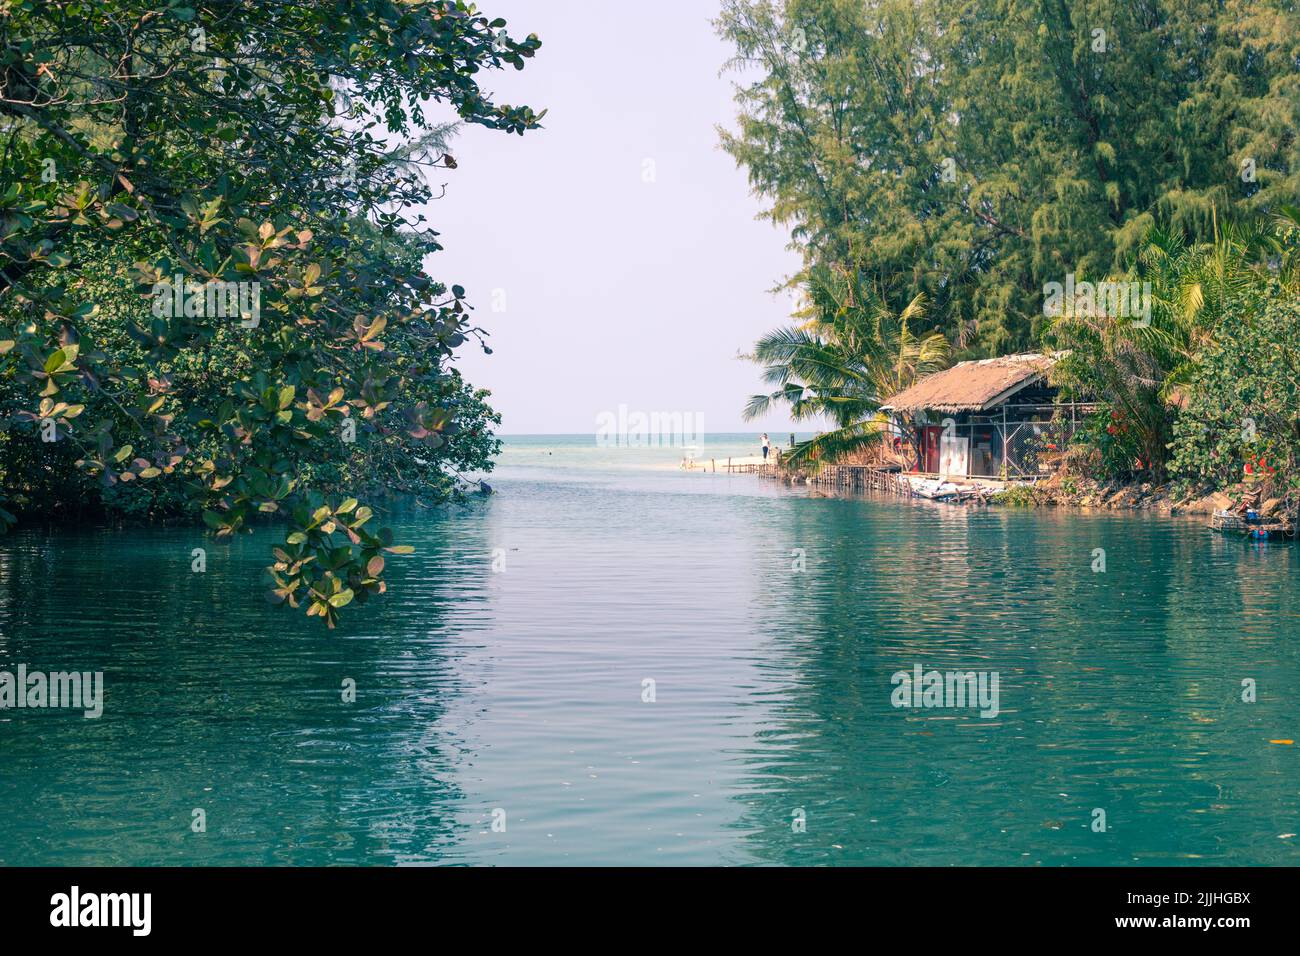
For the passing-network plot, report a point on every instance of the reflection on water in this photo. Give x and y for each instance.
(522, 690)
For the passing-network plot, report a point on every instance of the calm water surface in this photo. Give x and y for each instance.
(522, 690)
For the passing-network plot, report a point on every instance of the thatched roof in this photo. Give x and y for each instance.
(973, 386)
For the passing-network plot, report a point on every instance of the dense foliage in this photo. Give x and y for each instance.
(271, 147)
(1242, 420)
(1150, 375)
(974, 150)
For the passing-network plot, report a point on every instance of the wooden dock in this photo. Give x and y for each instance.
(729, 466)
(854, 477)
(863, 477)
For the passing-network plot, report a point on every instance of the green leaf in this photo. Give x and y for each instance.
(125, 213)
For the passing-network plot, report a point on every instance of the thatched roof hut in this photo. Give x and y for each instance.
(973, 386)
(997, 418)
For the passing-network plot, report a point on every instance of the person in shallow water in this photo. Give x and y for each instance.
(766, 445)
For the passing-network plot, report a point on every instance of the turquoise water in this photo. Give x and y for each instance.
(522, 690)
(585, 453)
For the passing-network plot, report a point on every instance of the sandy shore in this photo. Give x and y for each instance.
(707, 463)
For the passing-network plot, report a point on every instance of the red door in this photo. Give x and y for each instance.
(930, 438)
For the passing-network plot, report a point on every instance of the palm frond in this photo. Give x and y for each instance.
(849, 354)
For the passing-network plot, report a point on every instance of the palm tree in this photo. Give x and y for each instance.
(1282, 254)
(841, 364)
(1142, 370)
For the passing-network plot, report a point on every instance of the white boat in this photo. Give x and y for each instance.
(936, 489)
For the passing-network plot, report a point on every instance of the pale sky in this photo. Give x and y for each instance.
(615, 290)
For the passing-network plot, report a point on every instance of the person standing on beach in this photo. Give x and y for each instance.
(766, 446)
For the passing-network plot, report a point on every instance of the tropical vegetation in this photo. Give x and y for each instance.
(160, 152)
(974, 150)
(1151, 373)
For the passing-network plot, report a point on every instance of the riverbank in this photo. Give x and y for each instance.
(1060, 490)
(1073, 491)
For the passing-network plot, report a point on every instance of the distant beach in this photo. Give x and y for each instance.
(583, 452)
